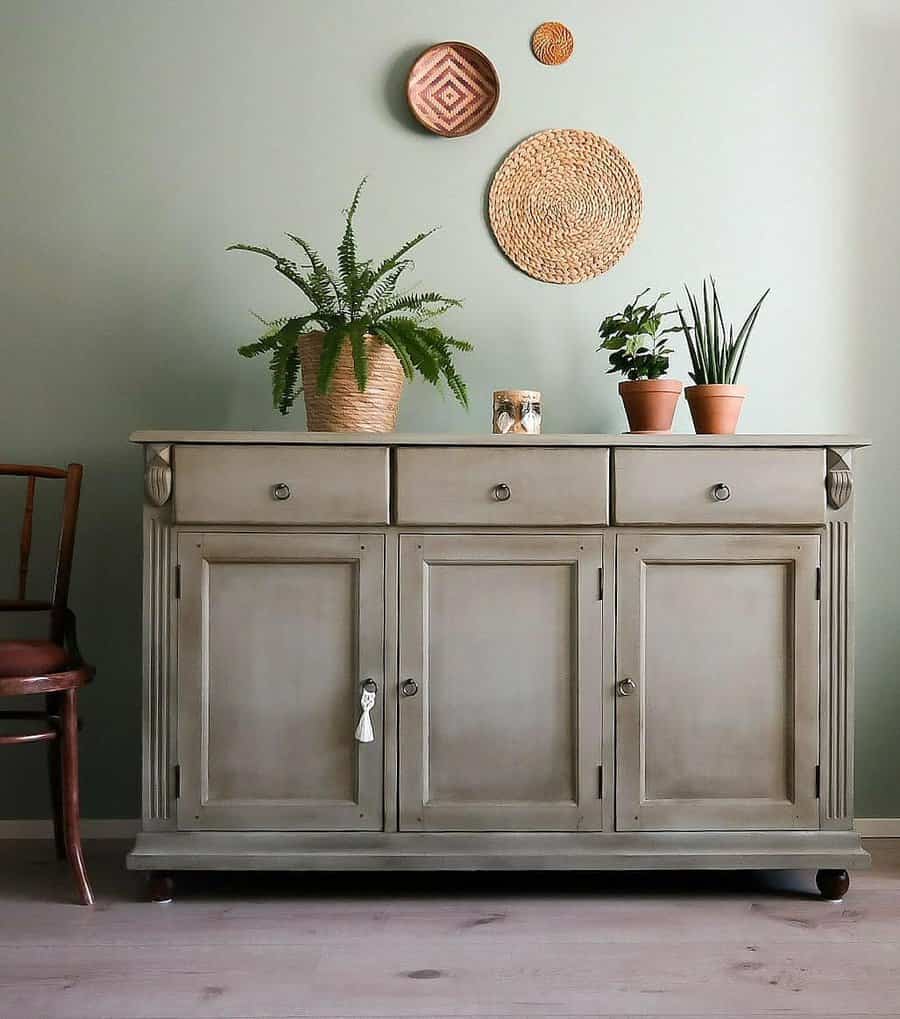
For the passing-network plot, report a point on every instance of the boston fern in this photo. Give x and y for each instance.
(360, 298)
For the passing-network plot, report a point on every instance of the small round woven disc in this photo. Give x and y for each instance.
(565, 205)
(552, 43)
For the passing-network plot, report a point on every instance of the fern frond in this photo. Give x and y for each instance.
(383, 331)
(389, 263)
(347, 259)
(282, 330)
(290, 270)
(385, 288)
(415, 303)
(332, 345)
(360, 354)
(285, 366)
(320, 278)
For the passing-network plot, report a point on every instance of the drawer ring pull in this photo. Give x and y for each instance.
(501, 492)
(281, 491)
(721, 492)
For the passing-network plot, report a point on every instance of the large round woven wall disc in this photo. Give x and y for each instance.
(565, 205)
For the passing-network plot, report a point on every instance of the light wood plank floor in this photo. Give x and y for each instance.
(445, 945)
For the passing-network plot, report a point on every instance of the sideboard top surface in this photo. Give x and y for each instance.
(172, 437)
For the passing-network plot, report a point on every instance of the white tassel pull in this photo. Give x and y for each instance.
(364, 731)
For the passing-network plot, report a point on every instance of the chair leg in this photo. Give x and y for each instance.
(54, 750)
(71, 809)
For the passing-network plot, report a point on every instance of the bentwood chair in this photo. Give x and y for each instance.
(52, 668)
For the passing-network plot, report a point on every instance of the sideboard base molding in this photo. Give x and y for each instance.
(214, 850)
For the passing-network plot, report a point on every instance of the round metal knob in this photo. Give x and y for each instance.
(721, 492)
(281, 491)
(409, 688)
(501, 492)
(626, 687)
(370, 686)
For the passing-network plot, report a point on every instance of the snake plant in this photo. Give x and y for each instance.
(716, 353)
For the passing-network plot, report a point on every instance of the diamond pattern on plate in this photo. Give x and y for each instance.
(452, 89)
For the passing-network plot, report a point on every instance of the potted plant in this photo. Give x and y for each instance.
(370, 337)
(715, 398)
(640, 353)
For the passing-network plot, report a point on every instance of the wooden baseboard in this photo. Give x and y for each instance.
(91, 828)
(878, 827)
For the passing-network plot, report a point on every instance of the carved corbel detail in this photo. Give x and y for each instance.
(838, 480)
(158, 475)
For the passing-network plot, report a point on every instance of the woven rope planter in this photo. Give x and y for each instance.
(565, 205)
(344, 408)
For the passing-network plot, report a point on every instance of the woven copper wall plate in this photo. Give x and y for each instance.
(452, 89)
(552, 43)
(565, 205)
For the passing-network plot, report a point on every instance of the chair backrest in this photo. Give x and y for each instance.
(60, 593)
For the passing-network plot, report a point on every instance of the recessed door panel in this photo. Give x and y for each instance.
(277, 635)
(500, 682)
(717, 685)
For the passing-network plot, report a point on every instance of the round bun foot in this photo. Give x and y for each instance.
(161, 887)
(833, 884)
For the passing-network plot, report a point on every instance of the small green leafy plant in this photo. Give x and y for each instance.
(360, 298)
(716, 354)
(638, 346)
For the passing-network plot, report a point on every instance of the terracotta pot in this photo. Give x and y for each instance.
(344, 408)
(714, 408)
(650, 404)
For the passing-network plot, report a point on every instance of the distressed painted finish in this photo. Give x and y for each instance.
(158, 475)
(718, 635)
(504, 731)
(464, 620)
(278, 633)
(722, 488)
(459, 487)
(779, 850)
(159, 687)
(396, 440)
(838, 653)
(282, 485)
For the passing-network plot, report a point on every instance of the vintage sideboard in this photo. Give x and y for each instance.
(586, 651)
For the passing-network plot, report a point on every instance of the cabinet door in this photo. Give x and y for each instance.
(717, 681)
(276, 635)
(500, 673)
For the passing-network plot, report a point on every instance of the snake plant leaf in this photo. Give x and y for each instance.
(744, 334)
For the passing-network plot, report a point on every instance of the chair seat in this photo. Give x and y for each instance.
(31, 658)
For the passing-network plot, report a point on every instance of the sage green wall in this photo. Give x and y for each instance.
(141, 138)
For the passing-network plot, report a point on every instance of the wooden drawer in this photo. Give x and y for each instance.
(325, 485)
(679, 486)
(528, 487)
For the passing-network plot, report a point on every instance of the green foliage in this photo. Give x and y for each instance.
(638, 348)
(716, 354)
(360, 298)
